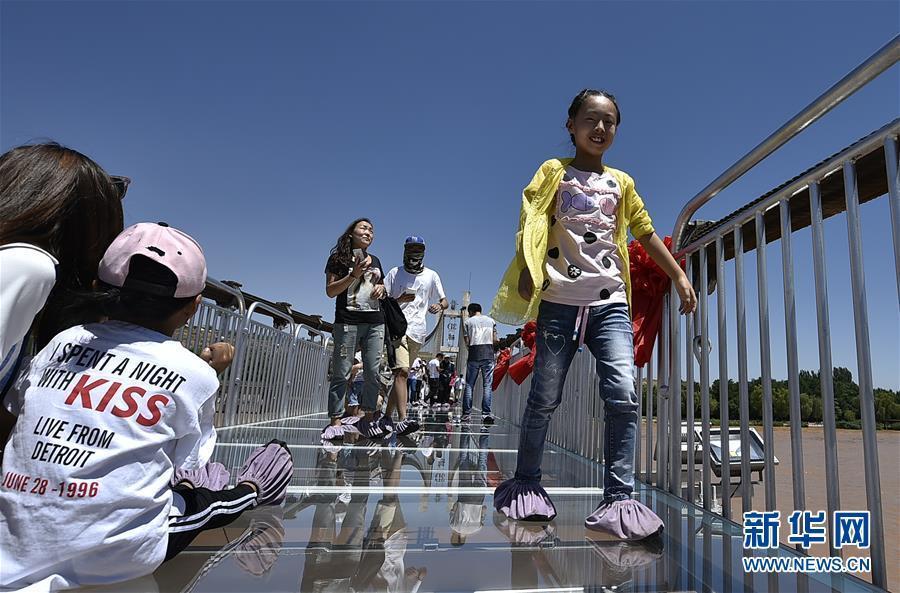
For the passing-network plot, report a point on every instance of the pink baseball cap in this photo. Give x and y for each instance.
(157, 242)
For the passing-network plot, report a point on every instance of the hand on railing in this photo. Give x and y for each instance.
(686, 294)
(218, 355)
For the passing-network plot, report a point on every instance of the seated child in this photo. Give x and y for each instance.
(106, 414)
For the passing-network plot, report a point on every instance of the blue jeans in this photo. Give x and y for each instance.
(487, 377)
(356, 389)
(609, 337)
(411, 384)
(346, 336)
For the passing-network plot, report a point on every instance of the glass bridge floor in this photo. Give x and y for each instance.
(416, 515)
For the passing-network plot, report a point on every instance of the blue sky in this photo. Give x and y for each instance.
(263, 128)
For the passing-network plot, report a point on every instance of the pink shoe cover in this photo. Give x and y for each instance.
(269, 468)
(524, 501)
(213, 476)
(338, 431)
(627, 520)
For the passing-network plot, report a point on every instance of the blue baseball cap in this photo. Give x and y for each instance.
(414, 240)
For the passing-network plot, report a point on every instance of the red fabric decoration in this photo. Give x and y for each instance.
(649, 284)
(501, 367)
(520, 369)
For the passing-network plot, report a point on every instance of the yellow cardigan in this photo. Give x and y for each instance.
(538, 201)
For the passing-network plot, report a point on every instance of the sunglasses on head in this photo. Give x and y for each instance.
(121, 184)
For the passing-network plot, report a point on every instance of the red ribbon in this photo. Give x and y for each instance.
(520, 369)
(501, 367)
(649, 284)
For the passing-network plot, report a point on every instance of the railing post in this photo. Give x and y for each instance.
(674, 394)
(648, 476)
(793, 365)
(864, 369)
(722, 337)
(762, 296)
(704, 378)
(743, 390)
(826, 369)
(236, 380)
(893, 179)
(639, 388)
(689, 391)
(662, 443)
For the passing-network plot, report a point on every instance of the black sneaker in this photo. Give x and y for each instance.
(385, 422)
(487, 420)
(406, 426)
(370, 429)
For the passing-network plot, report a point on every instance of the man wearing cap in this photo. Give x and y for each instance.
(419, 291)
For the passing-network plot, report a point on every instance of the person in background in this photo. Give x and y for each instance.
(480, 335)
(354, 277)
(415, 382)
(445, 380)
(419, 291)
(434, 377)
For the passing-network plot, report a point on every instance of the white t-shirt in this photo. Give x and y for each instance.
(582, 261)
(428, 290)
(434, 368)
(106, 412)
(418, 368)
(480, 331)
(27, 275)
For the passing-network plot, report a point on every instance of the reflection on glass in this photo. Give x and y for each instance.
(342, 554)
(468, 511)
(620, 562)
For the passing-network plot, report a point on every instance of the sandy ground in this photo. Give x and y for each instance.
(851, 474)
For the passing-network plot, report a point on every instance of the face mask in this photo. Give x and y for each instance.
(413, 261)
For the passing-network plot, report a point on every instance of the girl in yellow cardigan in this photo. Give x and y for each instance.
(571, 271)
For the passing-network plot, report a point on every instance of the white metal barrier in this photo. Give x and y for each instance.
(276, 373)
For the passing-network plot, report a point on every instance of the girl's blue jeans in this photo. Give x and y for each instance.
(608, 335)
(346, 338)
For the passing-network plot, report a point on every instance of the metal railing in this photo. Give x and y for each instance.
(276, 373)
(665, 449)
(750, 229)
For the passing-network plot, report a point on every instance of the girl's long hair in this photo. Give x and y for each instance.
(63, 202)
(343, 249)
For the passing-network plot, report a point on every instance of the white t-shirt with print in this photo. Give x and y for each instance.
(428, 290)
(106, 412)
(582, 261)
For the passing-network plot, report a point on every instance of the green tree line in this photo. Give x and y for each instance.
(846, 401)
